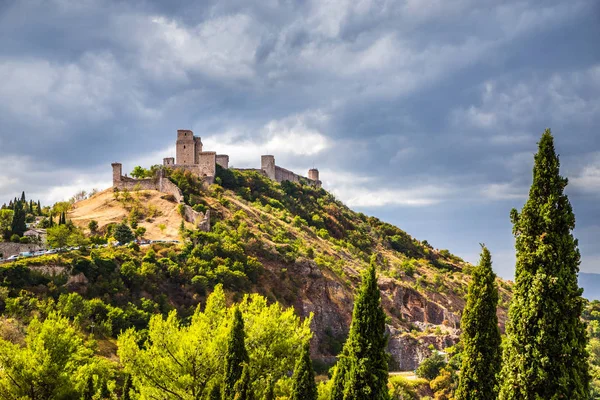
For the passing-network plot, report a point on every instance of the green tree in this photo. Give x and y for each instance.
(53, 364)
(304, 386)
(123, 233)
(243, 387)
(481, 357)
(93, 227)
(58, 236)
(139, 172)
(195, 351)
(236, 355)
(364, 362)
(545, 353)
(270, 390)
(18, 225)
(431, 366)
(6, 218)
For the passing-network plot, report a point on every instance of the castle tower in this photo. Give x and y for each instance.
(117, 173)
(169, 161)
(267, 164)
(223, 160)
(185, 148)
(313, 174)
(197, 149)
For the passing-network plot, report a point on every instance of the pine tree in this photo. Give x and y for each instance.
(18, 225)
(545, 353)
(480, 335)
(127, 388)
(236, 355)
(242, 388)
(303, 380)
(88, 392)
(364, 362)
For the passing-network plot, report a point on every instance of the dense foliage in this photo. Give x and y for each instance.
(545, 353)
(480, 335)
(363, 368)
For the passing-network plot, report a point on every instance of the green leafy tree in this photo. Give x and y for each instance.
(481, 357)
(58, 236)
(364, 362)
(6, 218)
(139, 172)
(195, 352)
(236, 355)
(304, 386)
(431, 366)
(93, 227)
(270, 389)
(123, 233)
(53, 364)
(545, 353)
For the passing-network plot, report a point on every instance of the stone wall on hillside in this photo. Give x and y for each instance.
(11, 249)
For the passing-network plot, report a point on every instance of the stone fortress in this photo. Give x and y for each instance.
(189, 155)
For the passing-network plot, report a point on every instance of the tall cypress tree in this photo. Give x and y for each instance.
(363, 367)
(481, 357)
(545, 354)
(236, 355)
(39, 208)
(18, 225)
(23, 197)
(303, 385)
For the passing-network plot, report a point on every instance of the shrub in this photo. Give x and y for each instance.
(431, 366)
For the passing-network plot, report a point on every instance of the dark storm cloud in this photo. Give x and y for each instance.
(421, 112)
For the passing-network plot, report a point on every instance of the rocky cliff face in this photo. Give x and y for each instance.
(417, 324)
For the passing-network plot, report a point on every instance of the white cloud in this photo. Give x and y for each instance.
(297, 135)
(588, 179)
(503, 191)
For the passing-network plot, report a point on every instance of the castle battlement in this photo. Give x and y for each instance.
(190, 156)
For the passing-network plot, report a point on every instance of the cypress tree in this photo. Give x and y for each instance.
(39, 208)
(23, 197)
(18, 225)
(339, 376)
(236, 355)
(303, 380)
(31, 206)
(545, 353)
(242, 388)
(364, 366)
(480, 335)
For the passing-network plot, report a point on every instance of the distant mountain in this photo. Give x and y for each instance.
(590, 284)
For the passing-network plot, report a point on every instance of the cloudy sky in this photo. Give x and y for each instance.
(425, 113)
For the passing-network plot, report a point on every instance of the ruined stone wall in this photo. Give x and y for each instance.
(223, 160)
(166, 186)
(136, 184)
(207, 163)
(282, 174)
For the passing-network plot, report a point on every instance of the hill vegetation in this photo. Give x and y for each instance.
(282, 264)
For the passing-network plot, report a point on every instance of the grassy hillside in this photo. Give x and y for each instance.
(292, 243)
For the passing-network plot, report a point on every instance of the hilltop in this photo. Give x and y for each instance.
(298, 245)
